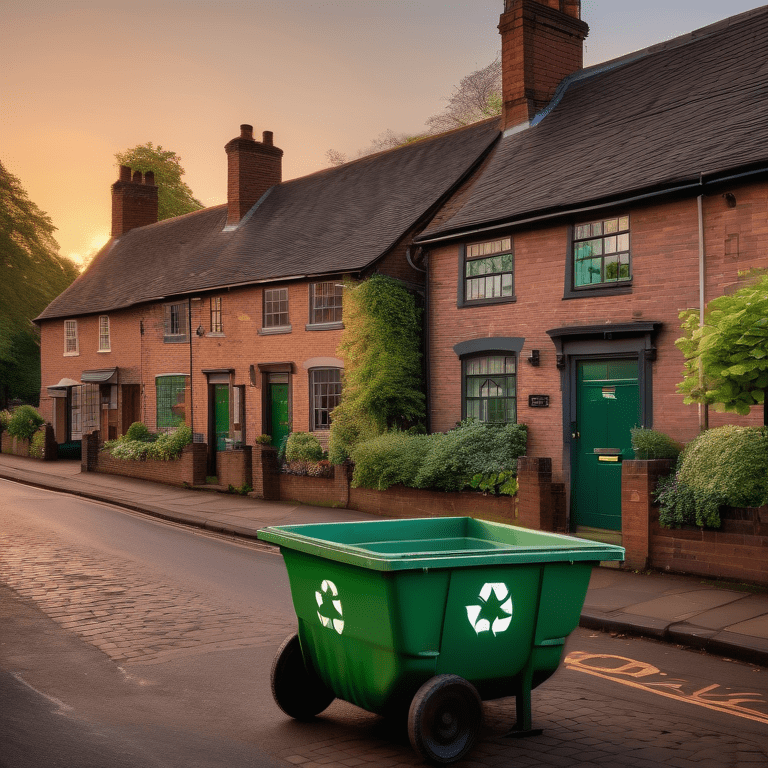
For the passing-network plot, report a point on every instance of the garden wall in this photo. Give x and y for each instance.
(188, 469)
(20, 447)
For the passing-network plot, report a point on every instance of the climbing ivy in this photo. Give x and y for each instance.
(381, 346)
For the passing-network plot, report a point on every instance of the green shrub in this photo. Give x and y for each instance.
(37, 445)
(5, 417)
(24, 422)
(166, 447)
(390, 459)
(472, 448)
(137, 431)
(263, 439)
(730, 462)
(302, 446)
(650, 444)
(679, 504)
(497, 483)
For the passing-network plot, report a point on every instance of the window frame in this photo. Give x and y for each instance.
(611, 288)
(465, 376)
(275, 326)
(182, 334)
(315, 424)
(104, 322)
(337, 307)
(69, 337)
(462, 299)
(217, 321)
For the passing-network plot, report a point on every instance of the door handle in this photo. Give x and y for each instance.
(575, 434)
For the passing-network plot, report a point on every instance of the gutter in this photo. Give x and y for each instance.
(699, 184)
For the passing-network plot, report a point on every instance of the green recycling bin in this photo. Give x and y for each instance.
(429, 617)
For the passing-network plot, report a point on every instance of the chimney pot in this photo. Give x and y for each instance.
(267, 138)
(149, 178)
(246, 131)
(137, 177)
(125, 173)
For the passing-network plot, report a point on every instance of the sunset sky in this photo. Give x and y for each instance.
(83, 79)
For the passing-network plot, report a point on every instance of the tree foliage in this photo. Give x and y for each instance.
(174, 196)
(381, 345)
(33, 275)
(726, 359)
(477, 97)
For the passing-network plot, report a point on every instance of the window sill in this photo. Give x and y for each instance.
(336, 326)
(598, 290)
(102, 351)
(274, 331)
(215, 335)
(71, 354)
(487, 302)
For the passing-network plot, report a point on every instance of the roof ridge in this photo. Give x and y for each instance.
(629, 58)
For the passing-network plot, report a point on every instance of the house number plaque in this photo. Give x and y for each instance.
(538, 401)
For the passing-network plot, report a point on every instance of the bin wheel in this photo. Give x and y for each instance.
(445, 718)
(299, 692)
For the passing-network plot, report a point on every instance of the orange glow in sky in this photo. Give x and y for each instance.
(83, 79)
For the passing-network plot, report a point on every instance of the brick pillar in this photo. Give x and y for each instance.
(265, 473)
(51, 446)
(194, 462)
(342, 477)
(540, 502)
(89, 453)
(638, 509)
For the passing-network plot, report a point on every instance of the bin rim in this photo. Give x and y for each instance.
(317, 539)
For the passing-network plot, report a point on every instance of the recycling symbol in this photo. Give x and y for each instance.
(495, 610)
(329, 595)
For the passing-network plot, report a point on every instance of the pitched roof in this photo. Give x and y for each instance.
(338, 220)
(694, 105)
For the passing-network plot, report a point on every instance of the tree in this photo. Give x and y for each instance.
(477, 97)
(174, 196)
(33, 274)
(726, 358)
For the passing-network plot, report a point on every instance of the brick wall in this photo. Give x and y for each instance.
(234, 467)
(188, 469)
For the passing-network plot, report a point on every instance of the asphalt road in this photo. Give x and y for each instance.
(127, 642)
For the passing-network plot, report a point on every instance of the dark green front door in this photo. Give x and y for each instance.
(607, 407)
(221, 414)
(278, 411)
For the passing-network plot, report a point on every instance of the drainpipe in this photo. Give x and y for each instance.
(191, 401)
(703, 407)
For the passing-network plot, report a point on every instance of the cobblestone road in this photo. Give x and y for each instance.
(121, 610)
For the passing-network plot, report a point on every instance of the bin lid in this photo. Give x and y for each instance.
(444, 542)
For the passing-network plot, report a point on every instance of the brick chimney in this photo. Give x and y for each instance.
(541, 43)
(252, 168)
(134, 201)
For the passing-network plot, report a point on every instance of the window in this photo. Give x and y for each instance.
(490, 389)
(325, 391)
(171, 401)
(70, 338)
(175, 323)
(275, 307)
(216, 326)
(91, 404)
(104, 342)
(489, 271)
(601, 252)
(325, 302)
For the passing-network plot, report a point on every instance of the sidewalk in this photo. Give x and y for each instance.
(724, 619)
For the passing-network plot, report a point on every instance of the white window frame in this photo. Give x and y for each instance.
(71, 341)
(105, 342)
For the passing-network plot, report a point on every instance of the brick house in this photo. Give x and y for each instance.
(618, 196)
(229, 319)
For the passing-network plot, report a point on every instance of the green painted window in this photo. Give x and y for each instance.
(170, 401)
(489, 270)
(601, 252)
(490, 388)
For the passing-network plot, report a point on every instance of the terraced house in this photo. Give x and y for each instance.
(229, 319)
(618, 196)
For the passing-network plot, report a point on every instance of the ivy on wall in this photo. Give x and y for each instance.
(381, 346)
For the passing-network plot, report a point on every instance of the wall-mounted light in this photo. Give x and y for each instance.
(200, 330)
(730, 199)
(535, 358)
